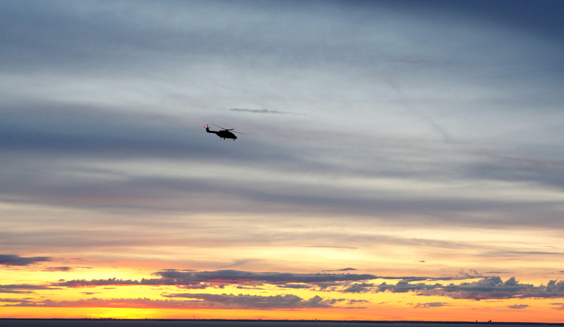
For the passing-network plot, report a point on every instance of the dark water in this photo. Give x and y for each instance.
(188, 323)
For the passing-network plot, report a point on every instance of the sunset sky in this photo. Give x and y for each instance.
(400, 160)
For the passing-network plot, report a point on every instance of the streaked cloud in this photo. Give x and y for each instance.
(24, 288)
(64, 268)
(105, 303)
(235, 276)
(255, 301)
(484, 288)
(430, 305)
(197, 301)
(518, 306)
(377, 135)
(15, 260)
(261, 111)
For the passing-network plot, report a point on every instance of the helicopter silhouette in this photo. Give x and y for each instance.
(224, 133)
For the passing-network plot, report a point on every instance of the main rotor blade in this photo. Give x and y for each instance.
(218, 126)
(237, 132)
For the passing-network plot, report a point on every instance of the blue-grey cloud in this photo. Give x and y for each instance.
(16, 260)
(518, 306)
(359, 288)
(236, 276)
(24, 288)
(485, 288)
(296, 286)
(560, 306)
(63, 134)
(221, 278)
(430, 305)
(201, 301)
(538, 17)
(105, 303)
(64, 268)
(261, 111)
(242, 301)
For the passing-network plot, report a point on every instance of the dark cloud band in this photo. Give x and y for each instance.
(15, 260)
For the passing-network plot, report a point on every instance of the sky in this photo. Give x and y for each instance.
(399, 160)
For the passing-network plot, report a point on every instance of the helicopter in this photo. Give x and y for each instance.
(224, 133)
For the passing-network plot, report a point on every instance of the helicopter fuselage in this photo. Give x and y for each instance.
(224, 134)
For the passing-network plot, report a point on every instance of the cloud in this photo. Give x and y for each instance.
(120, 282)
(12, 300)
(221, 278)
(518, 306)
(54, 130)
(353, 302)
(295, 286)
(261, 111)
(430, 305)
(256, 301)
(104, 113)
(238, 263)
(520, 253)
(211, 301)
(558, 308)
(107, 303)
(15, 260)
(334, 247)
(498, 272)
(344, 269)
(64, 268)
(241, 277)
(471, 273)
(403, 287)
(99, 124)
(486, 288)
(24, 288)
(358, 288)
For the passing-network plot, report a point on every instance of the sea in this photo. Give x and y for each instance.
(239, 323)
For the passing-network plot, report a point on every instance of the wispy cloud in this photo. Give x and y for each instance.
(197, 301)
(15, 260)
(262, 111)
(255, 301)
(518, 306)
(106, 303)
(24, 288)
(64, 268)
(430, 305)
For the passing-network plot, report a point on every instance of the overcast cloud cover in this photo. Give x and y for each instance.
(401, 138)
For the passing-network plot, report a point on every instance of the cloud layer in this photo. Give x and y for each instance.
(405, 139)
(15, 260)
